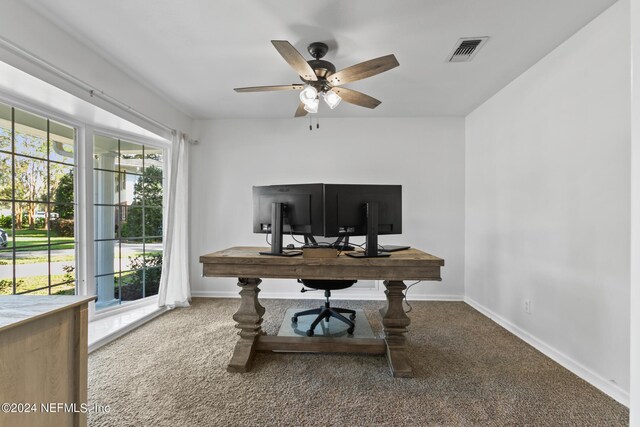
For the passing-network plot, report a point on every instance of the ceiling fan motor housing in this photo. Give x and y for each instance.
(322, 68)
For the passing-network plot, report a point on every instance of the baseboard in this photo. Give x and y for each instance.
(126, 329)
(365, 294)
(583, 372)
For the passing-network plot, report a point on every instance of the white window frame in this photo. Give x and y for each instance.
(78, 149)
(88, 196)
(85, 264)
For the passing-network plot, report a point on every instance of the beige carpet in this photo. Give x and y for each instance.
(469, 371)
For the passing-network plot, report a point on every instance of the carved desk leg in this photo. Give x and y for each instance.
(395, 322)
(249, 321)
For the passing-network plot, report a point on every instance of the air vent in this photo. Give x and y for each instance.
(466, 48)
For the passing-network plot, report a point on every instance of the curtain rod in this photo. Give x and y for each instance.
(79, 83)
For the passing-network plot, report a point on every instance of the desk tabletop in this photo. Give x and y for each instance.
(18, 309)
(245, 261)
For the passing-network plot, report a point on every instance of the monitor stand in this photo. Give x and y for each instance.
(277, 222)
(371, 250)
(394, 248)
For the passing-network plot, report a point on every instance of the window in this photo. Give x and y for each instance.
(128, 218)
(37, 204)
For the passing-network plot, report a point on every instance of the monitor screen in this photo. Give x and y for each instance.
(303, 208)
(345, 209)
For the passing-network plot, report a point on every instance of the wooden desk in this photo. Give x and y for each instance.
(246, 264)
(43, 358)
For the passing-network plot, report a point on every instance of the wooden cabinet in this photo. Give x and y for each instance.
(43, 360)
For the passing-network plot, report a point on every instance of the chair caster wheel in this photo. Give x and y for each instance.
(310, 333)
(294, 319)
(350, 331)
(352, 316)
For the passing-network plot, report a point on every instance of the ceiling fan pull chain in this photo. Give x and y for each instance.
(310, 125)
(317, 123)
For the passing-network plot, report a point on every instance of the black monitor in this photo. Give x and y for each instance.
(292, 209)
(363, 210)
(329, 210)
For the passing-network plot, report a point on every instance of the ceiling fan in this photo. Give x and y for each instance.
(321, 79)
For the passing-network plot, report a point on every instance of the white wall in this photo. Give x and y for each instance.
(24, 27)
(548, 206)
(425, 156)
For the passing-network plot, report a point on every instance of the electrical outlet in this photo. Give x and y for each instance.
(527, 306)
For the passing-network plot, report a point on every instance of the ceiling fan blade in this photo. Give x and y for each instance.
(300, 111)
(363, 70)
(268, 88)
(295, 59)
(356, 98)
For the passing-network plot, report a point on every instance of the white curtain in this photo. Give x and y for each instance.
(175, 290)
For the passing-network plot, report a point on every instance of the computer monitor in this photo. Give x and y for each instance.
(292, 209)
(363, 210)
(328, 210)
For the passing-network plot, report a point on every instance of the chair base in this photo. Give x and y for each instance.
(327, 312)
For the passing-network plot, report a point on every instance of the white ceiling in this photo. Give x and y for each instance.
(195, 52)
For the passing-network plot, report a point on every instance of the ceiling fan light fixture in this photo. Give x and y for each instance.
(309, 95)
(312, 106)
(332, 99)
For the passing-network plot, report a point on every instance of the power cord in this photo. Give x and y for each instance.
(319, 244)
(344, 245)
(296, 240)
(405, 295)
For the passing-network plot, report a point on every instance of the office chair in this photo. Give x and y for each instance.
(327, 311)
